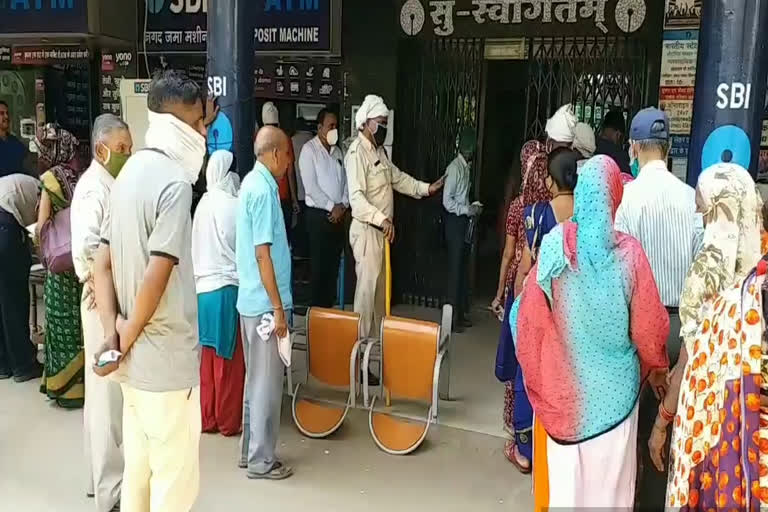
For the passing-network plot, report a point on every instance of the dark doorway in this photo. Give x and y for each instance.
(503, 122)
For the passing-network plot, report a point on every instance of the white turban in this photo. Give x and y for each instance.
(561, 125)
(584, 140)
(373, 106)
(269, 114)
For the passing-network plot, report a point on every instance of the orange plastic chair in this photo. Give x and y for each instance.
(411, 357)
(333, 355)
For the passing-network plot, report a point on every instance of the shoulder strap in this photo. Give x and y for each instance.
(537, 232)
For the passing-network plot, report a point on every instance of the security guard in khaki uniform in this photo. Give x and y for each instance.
(371, 177)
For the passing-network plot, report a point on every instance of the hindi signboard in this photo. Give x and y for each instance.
(678, 58)
(42, 55)
(513, 18)
(175, 25)
(678, 77)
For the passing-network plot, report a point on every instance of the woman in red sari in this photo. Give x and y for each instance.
(533, 158)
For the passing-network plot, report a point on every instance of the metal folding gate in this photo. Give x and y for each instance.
(439, 90)
(594, 74)
(438, 94)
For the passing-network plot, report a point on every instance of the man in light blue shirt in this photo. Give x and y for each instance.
(264, 268)
(458, 211)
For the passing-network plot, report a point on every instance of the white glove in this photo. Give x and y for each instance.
(474, 210)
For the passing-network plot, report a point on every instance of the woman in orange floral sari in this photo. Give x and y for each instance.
(716, 455)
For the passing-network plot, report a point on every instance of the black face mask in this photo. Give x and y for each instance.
(381, 135)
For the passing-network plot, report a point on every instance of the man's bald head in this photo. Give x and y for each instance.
(273, 149)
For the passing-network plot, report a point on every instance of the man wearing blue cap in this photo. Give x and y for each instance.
(659, 210)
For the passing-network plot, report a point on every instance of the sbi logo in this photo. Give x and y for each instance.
(178, 6)
(37, 5)
(288, 5)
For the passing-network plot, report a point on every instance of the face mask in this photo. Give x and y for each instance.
(115, 162)
(332, 137)
(634, 165)
(379, 134)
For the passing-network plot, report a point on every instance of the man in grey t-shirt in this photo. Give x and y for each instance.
(145, 292)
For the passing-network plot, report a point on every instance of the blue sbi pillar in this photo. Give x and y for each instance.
(730, 85)
(230, 78)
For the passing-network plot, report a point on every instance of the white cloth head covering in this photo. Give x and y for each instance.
(561, 125)
(373, 106)
(214, 226)
(217, 175)
(18, 196)
(584, 140)
(727, 198)
(270, 114)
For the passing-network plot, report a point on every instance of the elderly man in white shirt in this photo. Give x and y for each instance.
(103, 411)
(659, 210)
(325, 192)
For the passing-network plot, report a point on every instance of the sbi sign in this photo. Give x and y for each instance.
(178, 6)
(38, 5)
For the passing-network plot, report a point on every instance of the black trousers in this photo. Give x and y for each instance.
(300, 242)
(326, 241)
(17, 354)
(458, 260)
(652, 484)
(287, 207)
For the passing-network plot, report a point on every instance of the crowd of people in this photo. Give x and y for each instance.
(634, 325)
(163, 324)
(632, 305)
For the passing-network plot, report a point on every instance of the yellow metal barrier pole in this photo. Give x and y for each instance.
(388, 307)
(388, 267)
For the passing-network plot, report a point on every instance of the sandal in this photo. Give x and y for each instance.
(278, 472)
(514, 456)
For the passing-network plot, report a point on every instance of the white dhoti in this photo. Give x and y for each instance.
(102, 420)
(367, 245)
(596, 474)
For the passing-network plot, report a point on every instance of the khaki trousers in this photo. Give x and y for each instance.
(102, 420)
(367, 245)
(161, 433)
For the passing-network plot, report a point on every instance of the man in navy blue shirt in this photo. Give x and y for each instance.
(12, 152)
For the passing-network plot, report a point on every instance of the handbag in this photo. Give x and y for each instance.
(506, 359)
(56, 243)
